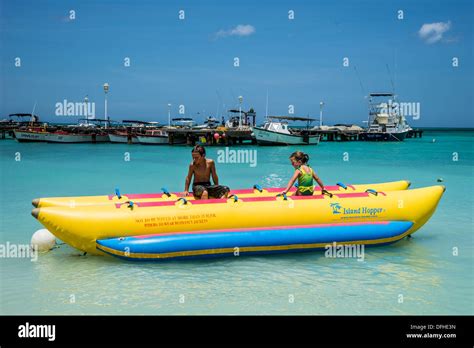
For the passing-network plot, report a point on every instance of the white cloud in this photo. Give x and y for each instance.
(240, 30)
(433, 32)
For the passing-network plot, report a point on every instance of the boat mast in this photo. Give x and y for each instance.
(266, 106)
(33, 114)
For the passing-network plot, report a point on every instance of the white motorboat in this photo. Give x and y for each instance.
(122, 137)
(153, 137)
(63, 136)
(275, 131)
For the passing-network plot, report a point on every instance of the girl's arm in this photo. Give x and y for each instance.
(318, 180)
(292, 181)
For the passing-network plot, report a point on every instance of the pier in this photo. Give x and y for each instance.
(340, 135)
(219, 136)
(237, 136)
(235, 131)
(234, 136)
(336, 135)
(415, 133)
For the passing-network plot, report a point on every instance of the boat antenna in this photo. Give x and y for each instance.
(33, 114)
(360, 81)
(266, 106)
(391, 80)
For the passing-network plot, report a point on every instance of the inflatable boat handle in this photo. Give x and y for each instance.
(185, 201)
(375, 193)
(284, 196)
(165, 191)
(258, 187)
(117, 193)
(342, 185)
(235, 197)
(324, 192)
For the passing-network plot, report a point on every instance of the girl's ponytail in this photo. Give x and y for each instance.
(300, 156)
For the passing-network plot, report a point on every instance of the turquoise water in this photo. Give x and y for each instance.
(423, 269)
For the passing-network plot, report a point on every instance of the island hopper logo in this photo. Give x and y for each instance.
(337, 208)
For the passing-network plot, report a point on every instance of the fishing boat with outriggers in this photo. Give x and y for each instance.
(276, 131)
(385, 123)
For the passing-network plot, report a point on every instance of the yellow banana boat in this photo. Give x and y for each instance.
(170, 229)
(166, 196)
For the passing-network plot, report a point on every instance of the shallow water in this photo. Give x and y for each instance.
(422, 269)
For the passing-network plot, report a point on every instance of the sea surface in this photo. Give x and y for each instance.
(431, 273)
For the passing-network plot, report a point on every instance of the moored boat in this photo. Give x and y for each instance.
(127, 133)
(122, 137)
(16, 121)
(87, 130)
(385, 122)
(153, 137)
(276, 131)
(31, 134)
(62, 136)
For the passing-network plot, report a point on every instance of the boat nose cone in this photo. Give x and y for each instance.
(35, 202)
(35, 212)
(444, 188)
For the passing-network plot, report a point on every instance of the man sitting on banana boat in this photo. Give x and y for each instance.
(202, 168)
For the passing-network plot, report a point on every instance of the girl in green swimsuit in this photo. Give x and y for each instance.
(304, 174)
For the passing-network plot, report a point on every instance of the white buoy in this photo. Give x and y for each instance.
(434, 140)
(43, 240)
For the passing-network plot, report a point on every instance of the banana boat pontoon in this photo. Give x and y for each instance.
(171, 227)
(256, 191)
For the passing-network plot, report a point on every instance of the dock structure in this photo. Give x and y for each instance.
(353, 135)
(229, 137)
(234, 136)
(6, 133)
(210, 136)
(236, 131)
(336, 135)
(244, 136)
(415, 133)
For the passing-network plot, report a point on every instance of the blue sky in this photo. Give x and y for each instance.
(299, 62)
